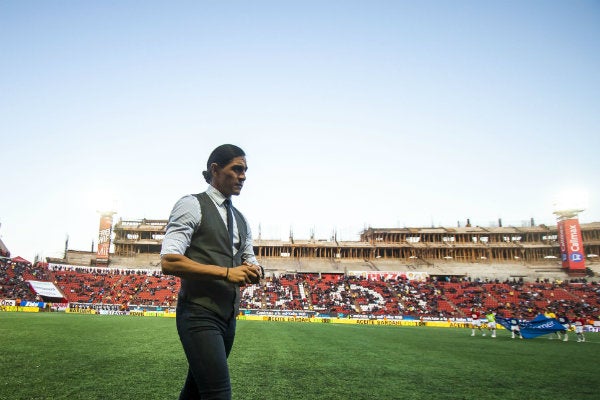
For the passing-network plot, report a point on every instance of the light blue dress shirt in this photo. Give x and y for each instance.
(185, 219)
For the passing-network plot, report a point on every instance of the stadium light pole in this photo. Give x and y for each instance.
(568, 213)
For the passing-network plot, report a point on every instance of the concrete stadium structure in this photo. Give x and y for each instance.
(479, 252)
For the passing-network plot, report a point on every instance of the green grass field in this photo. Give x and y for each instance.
(70, 356)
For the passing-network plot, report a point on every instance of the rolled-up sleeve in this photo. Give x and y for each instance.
(183, 222)
(248, 251)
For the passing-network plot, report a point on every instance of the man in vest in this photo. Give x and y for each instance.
(208, 244)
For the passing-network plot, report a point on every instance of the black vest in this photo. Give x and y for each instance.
(210, 245)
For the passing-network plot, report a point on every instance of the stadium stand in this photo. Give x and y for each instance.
(326, 293)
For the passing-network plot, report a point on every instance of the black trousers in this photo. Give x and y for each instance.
(207, 340)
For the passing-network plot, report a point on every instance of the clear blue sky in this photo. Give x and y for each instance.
(352, 113)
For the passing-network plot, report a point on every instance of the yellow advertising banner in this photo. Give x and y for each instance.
(19, 309)
(350, 321)
(80, 311)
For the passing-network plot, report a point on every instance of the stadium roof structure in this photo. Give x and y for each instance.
(478, 229)
(138, 243)
(3, 247)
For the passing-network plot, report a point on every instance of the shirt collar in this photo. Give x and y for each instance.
(215, 195)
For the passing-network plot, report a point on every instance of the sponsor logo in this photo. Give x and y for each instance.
(546, 325)
(562, 237)
(574, 236)
(576, 257)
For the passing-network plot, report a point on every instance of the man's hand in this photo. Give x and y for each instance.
(259, 270)
(244, 274)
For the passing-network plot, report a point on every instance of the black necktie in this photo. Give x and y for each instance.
(227, 203)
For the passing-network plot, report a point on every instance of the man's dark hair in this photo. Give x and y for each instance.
(222, 156)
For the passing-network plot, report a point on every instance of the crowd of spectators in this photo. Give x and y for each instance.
(333, 294)
(115, 285)
(14, 277)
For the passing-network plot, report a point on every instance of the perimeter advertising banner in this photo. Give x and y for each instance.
(104, 238)
(575, 257)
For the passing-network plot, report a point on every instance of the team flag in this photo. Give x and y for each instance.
(540, 325)
(505, 322)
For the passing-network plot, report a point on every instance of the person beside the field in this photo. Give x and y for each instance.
(515, 329)
(491, 322)
(208, 245)
(579, 323)
(551, 314)
(566, 323)
(476, 322)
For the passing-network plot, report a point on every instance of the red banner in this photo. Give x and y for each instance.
(575, 254)
(562, 240)
(104, 238)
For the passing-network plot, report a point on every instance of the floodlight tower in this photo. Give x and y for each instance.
(571, 242)
(566, 214)
(104, 234)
